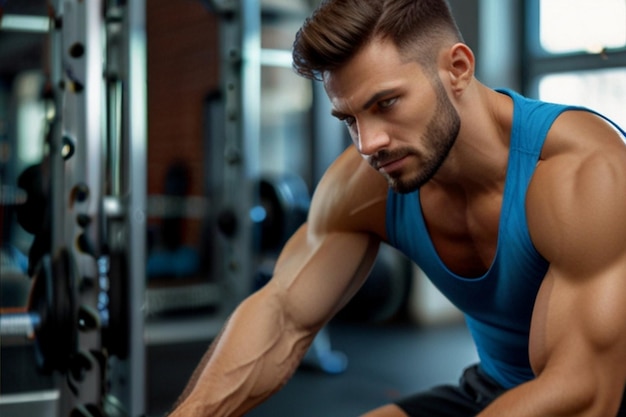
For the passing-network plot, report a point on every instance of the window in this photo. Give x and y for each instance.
(601, 90)
(582, 25)
(576, 54)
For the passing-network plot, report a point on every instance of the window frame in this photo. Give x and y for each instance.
(538, 62)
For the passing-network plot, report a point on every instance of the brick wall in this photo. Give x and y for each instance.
(183, 65)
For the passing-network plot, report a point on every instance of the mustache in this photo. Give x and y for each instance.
(384, 157)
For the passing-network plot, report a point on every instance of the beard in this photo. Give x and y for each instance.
(441, 133)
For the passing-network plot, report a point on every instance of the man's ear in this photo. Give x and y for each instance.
(459, 63)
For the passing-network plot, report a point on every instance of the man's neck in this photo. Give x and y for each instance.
(479, 158)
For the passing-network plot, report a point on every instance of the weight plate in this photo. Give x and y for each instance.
(53, 298)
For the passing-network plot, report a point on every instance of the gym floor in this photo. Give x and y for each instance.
(385, 362)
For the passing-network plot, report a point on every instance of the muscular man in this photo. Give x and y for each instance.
(516, 209)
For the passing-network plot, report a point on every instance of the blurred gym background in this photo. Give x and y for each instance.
(192, 150)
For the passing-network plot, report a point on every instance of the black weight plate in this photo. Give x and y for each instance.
(54, 299)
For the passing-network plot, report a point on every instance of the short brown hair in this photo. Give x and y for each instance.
(338, 29)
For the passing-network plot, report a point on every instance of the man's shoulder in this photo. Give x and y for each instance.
(581, 133)
(579, 184)
(351, 196)
(578, 146)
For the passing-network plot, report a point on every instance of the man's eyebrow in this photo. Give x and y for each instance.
(376, 97)
(369, 103)
(339, 115)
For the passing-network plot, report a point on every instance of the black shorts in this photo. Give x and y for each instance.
(474, 392)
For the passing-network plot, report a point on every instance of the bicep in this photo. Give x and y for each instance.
(330, 256)
(577, 217)
(585, 319)
(316, 275)
(578, 340)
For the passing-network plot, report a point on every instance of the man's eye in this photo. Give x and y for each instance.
(385, 104)
(348, 120)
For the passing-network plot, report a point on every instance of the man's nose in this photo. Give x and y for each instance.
(371, 138)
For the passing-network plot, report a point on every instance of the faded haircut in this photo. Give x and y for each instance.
(338, 29)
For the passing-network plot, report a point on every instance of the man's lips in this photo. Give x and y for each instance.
(390, 165)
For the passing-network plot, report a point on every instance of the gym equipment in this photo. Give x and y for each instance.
(34, 214)
(85, 206)
(233, 141)
(117, 327)
(52, 308)
(54, 318)
(31, 214)
(386, 291)
(285, 199)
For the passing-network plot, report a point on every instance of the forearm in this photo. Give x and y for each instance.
(255, 355)
(198, 370)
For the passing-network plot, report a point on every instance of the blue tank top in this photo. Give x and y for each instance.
(498, 305)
